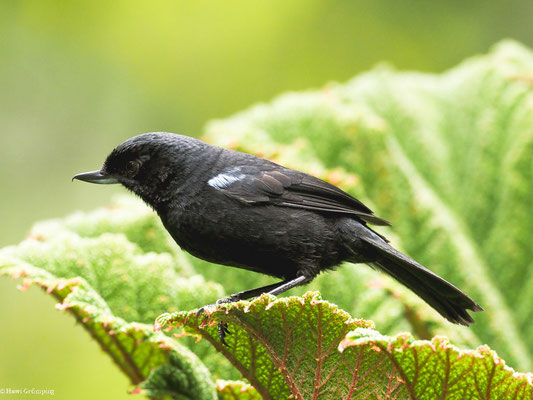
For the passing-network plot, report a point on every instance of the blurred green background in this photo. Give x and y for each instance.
(78, 78)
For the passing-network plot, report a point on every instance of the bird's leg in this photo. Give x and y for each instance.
(248, 294)
(288, 284)
(273, 289)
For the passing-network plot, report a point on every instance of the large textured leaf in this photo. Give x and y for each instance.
(110, 285)
(448, 160)
(437, 370)
(307, 348)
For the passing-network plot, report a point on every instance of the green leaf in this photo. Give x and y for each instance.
(447, 159)
(279, 345)
(109, 284)
(236, 390)
(436, 369)
(304, 347)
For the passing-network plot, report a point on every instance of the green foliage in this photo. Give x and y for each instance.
(236, 390)
(281, 346)
(435, 369)
(112, 287)
(306, 348)
(447, 159)
(112, 250)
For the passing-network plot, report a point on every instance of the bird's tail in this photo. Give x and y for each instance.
(444, 297)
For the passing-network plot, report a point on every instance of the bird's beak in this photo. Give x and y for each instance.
(95, 177)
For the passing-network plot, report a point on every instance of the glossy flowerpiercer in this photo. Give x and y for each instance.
(239, 210)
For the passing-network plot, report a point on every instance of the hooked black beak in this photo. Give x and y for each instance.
(95, 177)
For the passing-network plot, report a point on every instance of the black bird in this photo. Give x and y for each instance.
(239, 210)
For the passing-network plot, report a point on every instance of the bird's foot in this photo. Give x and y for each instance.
(222, 326)
(224, 300)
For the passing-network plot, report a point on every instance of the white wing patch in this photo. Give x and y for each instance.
(224, 179)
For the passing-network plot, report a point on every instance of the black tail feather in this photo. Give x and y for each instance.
(440, 294)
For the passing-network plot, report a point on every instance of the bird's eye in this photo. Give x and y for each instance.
(133, 167)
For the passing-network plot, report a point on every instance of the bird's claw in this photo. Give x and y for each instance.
(222, 332)
(223, 300)
(222, 326)
(201, 311)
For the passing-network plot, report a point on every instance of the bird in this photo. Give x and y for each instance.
(238, 210)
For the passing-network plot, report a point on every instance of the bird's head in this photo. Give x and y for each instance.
(152, 165)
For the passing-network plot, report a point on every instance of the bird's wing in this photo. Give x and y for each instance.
(289, 188)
